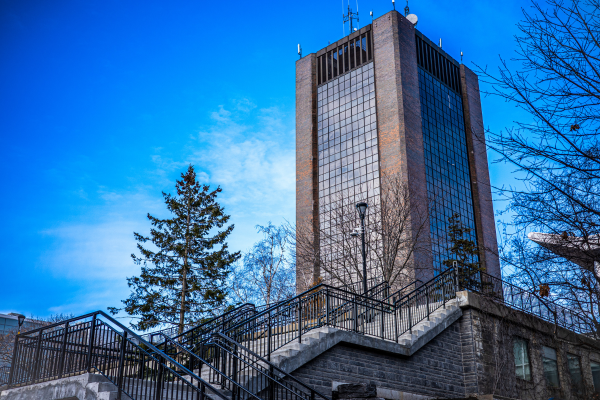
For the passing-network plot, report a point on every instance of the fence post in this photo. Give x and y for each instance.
(234, 391)
(382, 322)
(36, 370)
(327, 306)
(355, 316)
(300, 321)
(269, 333)
(61, 362)
(159, 380)
(457, 289)
(121, 365)
(427, 300)
(13, 361)
(409, 320)
(91, 345)
(444, 294)
(396, 320)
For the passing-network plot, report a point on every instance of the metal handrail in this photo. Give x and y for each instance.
(108, 351)
(528, 302)
(267, 372)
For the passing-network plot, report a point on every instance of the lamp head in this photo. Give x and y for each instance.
(21, 318)
(362, 208)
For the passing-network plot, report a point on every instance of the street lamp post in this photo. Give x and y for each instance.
(21, 319)
(362, 210)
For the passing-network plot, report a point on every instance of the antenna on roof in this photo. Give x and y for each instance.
(394, 4)
(371, 16)
(406, 9)
(299, 50)
(461, 56)
(350, 17)
(343, 21)
(440, 43)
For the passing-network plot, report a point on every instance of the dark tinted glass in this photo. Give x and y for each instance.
(446, 163)
(347, 144)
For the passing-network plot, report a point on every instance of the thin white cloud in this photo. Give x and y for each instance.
(246, 150)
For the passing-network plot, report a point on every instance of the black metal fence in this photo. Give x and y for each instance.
(528, 302)
(97, 343)
(236, 347)
(4, 374)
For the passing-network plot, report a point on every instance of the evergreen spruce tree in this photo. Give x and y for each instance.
(183, 277)
(464, 252)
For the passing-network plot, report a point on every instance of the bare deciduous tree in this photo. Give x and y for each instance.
(395, 229)
(266, 274)
(557, 152)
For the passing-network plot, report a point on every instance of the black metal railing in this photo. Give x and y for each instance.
(235, 349)
(207, 328)
(97, 343)
(225, 363)
(528, 302)
(4, 374)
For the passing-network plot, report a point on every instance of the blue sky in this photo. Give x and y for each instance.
(105, 103)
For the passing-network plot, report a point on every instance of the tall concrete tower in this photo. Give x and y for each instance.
(384, 101)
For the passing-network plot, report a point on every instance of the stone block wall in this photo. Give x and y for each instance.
(435, 370)
(473, 357)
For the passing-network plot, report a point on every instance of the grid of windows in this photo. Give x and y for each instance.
(348, 155)
(446, 163)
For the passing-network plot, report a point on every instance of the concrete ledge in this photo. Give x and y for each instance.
(487, 305)
(79, 387)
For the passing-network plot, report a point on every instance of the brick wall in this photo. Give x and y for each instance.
(434, 370)
(488, 334)
(480, 177)
(307, 205)
(473, 356)
(400, 134)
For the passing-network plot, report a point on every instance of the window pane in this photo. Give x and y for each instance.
(522, 367)
(575, 371)
(550, 366)
(596, 375)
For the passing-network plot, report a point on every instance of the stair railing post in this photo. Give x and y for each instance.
(299, 321)
(121, 365)
(327, 306)
(63, 348)
(427, 300)
(269, 333)
(159, 381)
(382, 322)
(444, 294)
(396, 315)
(409, 319)
(88, 366)
(355, 316)
(234, 391)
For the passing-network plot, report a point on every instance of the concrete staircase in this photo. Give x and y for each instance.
(315, 342)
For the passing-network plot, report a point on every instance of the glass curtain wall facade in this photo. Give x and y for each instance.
(446, 161)
(348, 158)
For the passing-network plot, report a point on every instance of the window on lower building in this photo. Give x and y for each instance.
(522, 367)
(575, 371)
(596, 375)
(549, 361)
